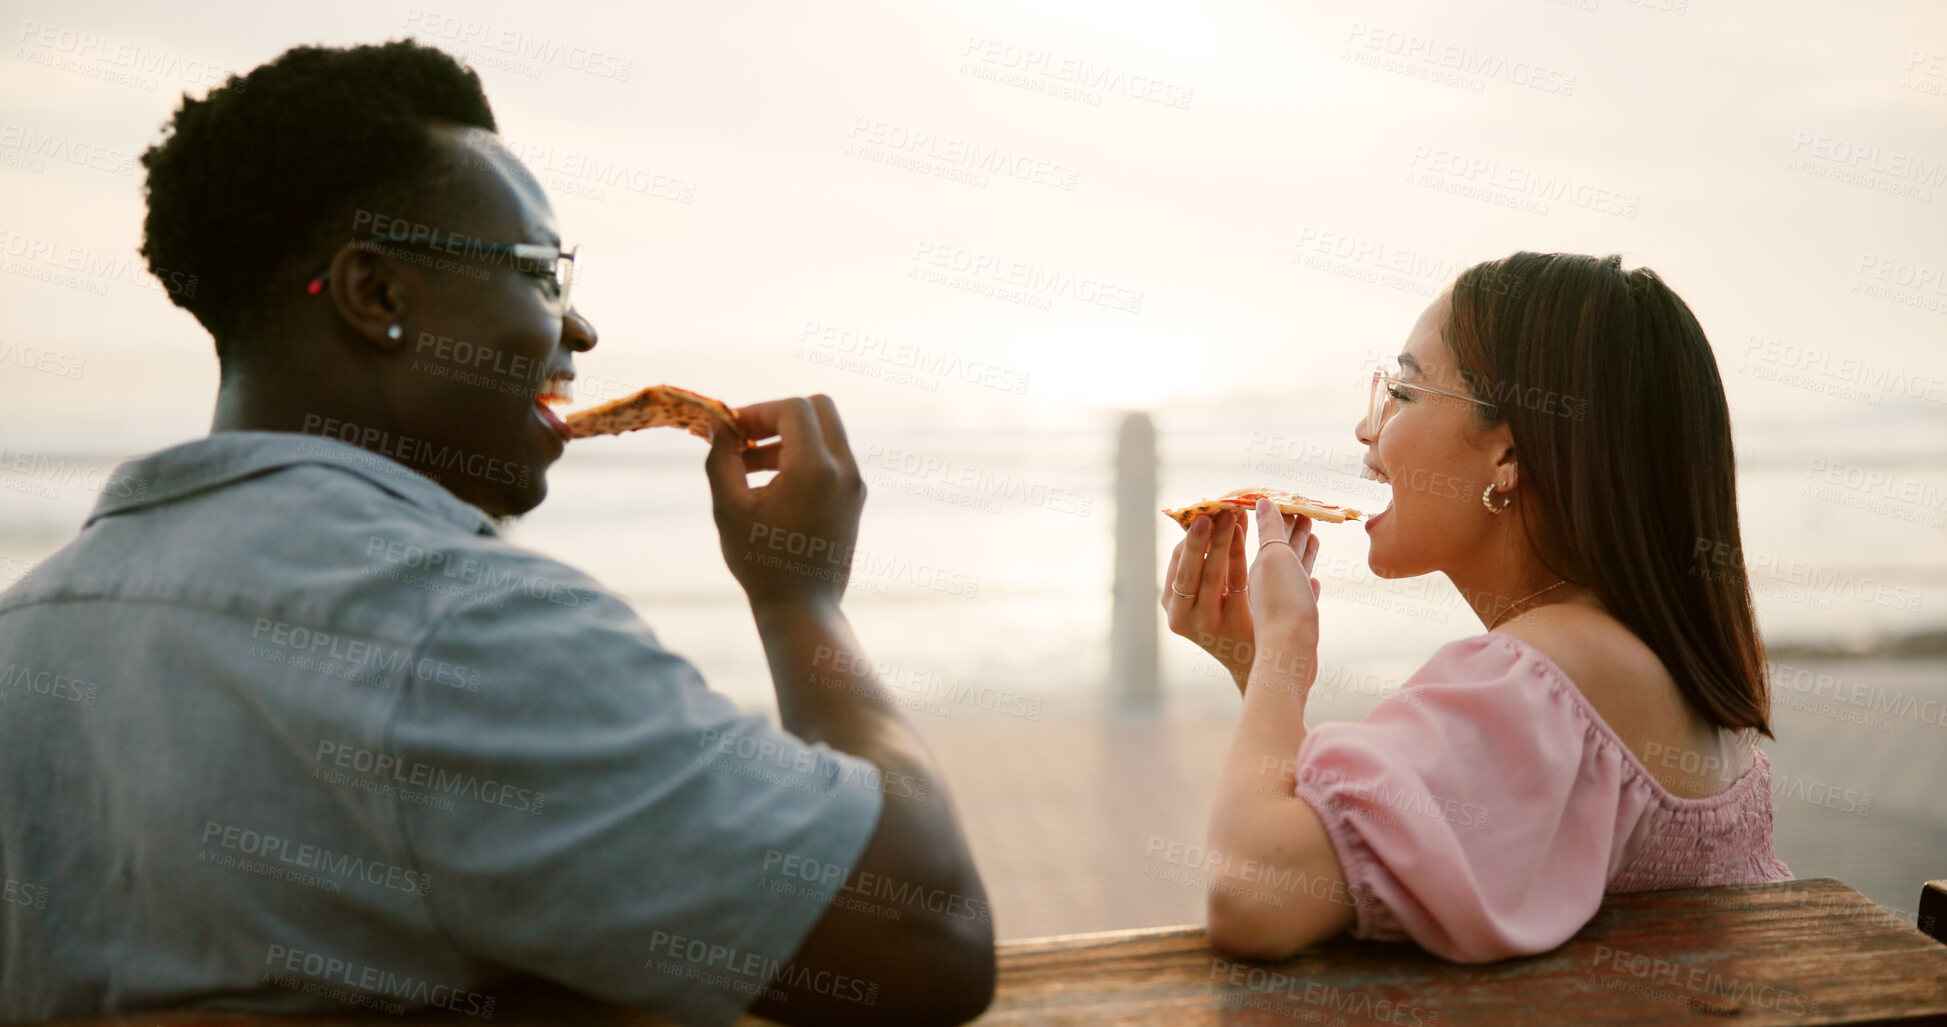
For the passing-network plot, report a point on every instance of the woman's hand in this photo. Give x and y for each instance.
(1283, 594)
(1205, 594)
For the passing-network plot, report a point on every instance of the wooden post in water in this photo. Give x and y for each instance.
(1133, 677)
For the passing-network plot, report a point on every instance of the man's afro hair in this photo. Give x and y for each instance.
(268, 168)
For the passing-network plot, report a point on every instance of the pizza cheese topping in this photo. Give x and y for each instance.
(1245, 499)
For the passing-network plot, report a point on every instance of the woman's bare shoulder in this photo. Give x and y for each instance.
(1589, 644)
(1618, 675)
(1621, 676)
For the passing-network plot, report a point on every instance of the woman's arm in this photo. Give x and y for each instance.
(1278, 887)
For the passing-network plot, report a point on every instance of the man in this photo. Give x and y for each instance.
(288, 725)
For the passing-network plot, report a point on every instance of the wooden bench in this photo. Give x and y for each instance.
(1795, 952)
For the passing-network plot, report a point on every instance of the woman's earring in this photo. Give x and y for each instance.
(395, 332)
(1487, 500)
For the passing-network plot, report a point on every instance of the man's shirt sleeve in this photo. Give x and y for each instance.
(589, 812)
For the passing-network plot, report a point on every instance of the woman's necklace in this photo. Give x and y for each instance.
(1517, 603)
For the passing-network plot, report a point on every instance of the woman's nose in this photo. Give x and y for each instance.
(1359, 429)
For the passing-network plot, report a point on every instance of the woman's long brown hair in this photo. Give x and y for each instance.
(1627, 479)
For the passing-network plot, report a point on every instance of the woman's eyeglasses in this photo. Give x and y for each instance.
(1384, 398)
(552, 266)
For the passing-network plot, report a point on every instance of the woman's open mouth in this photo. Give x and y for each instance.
(1371, 473)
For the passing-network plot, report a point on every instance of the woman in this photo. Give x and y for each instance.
(1558, 445)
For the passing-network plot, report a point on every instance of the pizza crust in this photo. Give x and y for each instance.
(654, 407)
(1246, 499)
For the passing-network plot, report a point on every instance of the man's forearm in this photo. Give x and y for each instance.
(827, 690)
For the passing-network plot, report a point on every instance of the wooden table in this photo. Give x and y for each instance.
(1795, 952)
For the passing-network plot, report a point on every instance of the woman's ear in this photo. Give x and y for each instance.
(1503, 470)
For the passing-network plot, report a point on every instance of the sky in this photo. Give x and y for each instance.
(1149, 177)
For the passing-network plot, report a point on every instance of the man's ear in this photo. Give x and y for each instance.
(370, 294)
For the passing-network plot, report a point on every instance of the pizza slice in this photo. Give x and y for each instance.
(654, 407)
(1245, 499)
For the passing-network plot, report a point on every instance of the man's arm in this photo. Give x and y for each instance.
(789, 543)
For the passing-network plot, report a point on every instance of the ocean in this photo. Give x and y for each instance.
(982, 579)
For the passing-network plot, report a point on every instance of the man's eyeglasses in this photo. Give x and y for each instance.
(1383, 400)
(552, 266)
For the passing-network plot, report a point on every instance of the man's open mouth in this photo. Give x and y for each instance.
(553, 391)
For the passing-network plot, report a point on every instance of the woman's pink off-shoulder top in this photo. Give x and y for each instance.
(1486, 810)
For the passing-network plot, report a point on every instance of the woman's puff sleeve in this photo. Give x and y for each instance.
(1481, 812)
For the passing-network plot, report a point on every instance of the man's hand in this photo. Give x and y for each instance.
(789, 540)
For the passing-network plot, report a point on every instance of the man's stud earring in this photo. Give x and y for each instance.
(395, 332)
